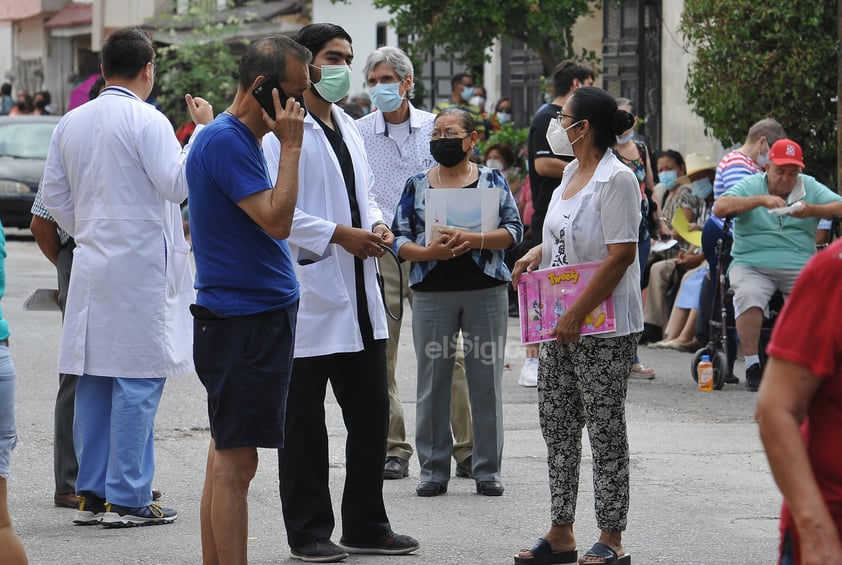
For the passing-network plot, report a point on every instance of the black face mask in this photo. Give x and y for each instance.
(447, 152)
(21, 106)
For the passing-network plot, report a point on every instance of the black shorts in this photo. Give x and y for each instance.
(245, 363)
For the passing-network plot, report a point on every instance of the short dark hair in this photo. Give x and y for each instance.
(125, 53)
(315, 36)
(269, 57)
(465, 119)
(503, 99)
(6, 89)
(671, 154)
(600, 109)
(458, 78)
(96, 88)
(565, 72)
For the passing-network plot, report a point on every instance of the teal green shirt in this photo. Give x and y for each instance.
(765, 240)
(4, 325)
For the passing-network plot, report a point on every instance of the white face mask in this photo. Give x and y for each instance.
(477, 101)
(494, 164)
(560, 144)
(763, 158)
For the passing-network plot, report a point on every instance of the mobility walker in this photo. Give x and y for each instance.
(722, 343)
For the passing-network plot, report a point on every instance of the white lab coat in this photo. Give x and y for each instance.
(114, 180)
(327, 312)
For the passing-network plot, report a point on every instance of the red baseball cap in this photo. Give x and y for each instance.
(786, 152)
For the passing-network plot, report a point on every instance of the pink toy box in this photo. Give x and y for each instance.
(545, 295)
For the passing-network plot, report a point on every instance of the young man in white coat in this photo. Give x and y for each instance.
(397, 140)
(341, 327)
(114, 179)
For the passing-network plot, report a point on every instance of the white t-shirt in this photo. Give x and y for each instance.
(605, 211)
(557, 225)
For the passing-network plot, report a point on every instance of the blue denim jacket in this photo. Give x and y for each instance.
(409, 224)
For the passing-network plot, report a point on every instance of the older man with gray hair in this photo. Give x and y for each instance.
(397, 141)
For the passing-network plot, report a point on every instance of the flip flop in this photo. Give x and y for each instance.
(607, 554)
(543, 554)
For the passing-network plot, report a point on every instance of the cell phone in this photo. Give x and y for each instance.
(263, 93)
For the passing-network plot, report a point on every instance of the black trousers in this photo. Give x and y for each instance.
(358, 381)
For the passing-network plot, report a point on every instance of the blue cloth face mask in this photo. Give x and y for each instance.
(621, 139)
(386, 96)
(668, 178)
(467, 92)
(701, 188)
(335, 83)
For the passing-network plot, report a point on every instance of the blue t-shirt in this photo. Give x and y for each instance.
(240, 269)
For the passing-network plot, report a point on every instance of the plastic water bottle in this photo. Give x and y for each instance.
(705, 373)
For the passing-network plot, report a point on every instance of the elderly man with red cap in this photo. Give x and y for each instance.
(775, 219)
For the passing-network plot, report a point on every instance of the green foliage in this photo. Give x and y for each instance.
(758, 59)
(466, 28)
(201, 63)
(516, 138)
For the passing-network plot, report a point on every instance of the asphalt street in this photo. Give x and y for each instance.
(701, 490)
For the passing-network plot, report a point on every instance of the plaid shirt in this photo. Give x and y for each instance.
(38, 209)
(409, 224)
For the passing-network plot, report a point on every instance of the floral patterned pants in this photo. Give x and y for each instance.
(578, 384)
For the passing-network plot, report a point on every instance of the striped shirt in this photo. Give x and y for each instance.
(733, 168)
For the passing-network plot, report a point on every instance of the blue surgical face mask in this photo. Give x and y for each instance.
(668, 178)
(621, 139)
(386, 96)
(467, 92)
(701, 188)
(504, 118)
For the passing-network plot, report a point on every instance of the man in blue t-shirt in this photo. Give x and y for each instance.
(775, 219)
(247, 300)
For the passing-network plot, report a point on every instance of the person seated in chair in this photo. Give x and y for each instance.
(771, 248)
(691, 196)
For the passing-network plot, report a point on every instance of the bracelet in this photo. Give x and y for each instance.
(482, 240)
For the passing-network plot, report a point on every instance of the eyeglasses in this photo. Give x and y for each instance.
(561, 115)
(448, 134)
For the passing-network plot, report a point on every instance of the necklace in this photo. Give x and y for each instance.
(464, 181)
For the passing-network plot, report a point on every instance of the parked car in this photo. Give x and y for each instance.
(24, 141)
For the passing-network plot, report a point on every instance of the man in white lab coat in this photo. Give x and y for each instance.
(114, 180)
(341, 328)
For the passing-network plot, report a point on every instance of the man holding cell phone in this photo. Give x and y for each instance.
(247, 301)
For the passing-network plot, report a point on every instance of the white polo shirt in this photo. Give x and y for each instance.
(394, 160)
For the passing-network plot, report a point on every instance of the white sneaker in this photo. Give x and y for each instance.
(529, 373)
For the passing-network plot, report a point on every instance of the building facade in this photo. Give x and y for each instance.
(54, 45)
